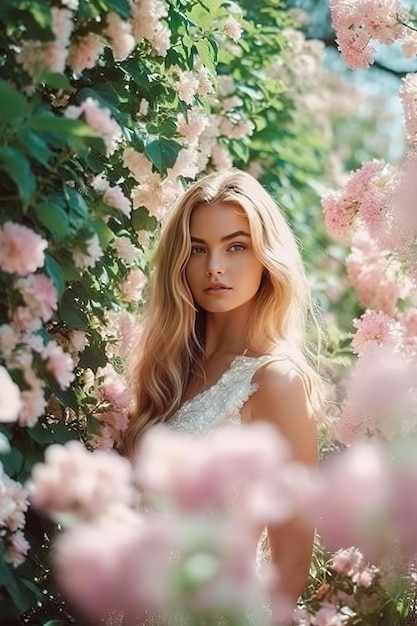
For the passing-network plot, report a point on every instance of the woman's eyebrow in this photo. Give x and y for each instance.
(238, 233)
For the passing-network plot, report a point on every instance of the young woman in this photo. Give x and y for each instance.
(222, 337)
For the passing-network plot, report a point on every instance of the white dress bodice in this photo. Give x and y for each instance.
(222, 402)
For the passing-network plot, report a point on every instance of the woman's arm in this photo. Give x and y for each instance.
(282, 399)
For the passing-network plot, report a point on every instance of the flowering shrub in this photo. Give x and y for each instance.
(108, 109)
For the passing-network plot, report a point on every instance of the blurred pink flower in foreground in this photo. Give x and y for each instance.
(79, 485)
(189, 549)
(21, 249)
(381, 397)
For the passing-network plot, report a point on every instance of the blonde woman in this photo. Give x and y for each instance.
(222, 337)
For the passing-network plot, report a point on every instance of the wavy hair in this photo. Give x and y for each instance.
(170, 344)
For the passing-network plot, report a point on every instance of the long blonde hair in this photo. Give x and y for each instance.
(170, 344)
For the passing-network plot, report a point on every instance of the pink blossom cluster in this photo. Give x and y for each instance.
(119, 33)
(132, 287)
(361, 202)
(111, 391)
(378, 276)
(84, 52)
(358, 22)
(112, 195)
(147, 24)
(36, 56)
(375, 328)
(408, 97)
(100, 120)
(89, 256)
(191, 126)
(368, 501)
(153, 192)
(381, 396)
(13, 506)
(22, 251)
(112, 556)
(74, 484)
(232, 28)
(121, 332)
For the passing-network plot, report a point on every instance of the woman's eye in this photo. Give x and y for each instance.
(197, 250)
(237, 247)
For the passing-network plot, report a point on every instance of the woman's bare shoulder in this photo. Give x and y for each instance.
(282, 399)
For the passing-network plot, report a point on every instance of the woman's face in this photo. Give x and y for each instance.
(223, 272)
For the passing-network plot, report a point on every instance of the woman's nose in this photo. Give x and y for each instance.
(214, 266)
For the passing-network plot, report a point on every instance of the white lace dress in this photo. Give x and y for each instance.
(215, 406)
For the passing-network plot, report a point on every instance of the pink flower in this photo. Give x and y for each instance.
(208, 471)
(138, 164)
(329, 615)
(100, 120)
(119, 563)
(375, 328)
(115, 197)
(24, 321)
(125, 249)
(33, 405)
(39, 294)
(59, 363)
(132, 287)
(354, 504)
(232, 28)
(192, 127)
(84, 52)
(13, 503)
(17, 548)
(88, 257)
(122, 329)
(10, 399)
(78, 483)
(187, 86)
(356, 23)
(113, 388)
(382, 393)
(21, 249)
(186, 164)
(119, 33)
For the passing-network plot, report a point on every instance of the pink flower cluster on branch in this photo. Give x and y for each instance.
(358, 22)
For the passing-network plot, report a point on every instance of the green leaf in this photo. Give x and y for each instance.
(54, 622)
(78, 208)
(17, 167)
(56, 81)
(207, 54)
(162, 152)
(72, 314)
(36, 147)
(52, 433)
(12, 462)
(54, 217)
(93, 356)
(60, 125)
(55, 273)
(13, 104)
(122, 7)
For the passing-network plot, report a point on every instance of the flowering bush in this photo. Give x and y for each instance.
(108, 109)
